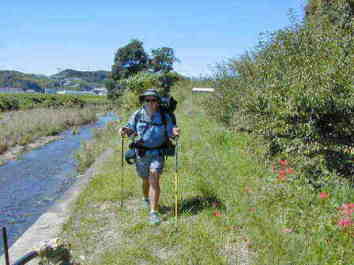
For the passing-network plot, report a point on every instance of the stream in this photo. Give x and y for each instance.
(32, 183)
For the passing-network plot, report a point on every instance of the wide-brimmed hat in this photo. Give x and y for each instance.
(149, 92)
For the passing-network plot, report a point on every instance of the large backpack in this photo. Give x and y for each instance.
(169, 105)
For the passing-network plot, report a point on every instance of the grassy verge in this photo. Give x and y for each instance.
(23, 127)
(235, 208)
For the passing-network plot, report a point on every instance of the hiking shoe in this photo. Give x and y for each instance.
(146, 203)
(154, 218)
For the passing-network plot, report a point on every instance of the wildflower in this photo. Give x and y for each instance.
(287, 230)
(281, 177)
(324, 195)
(290, 171)
(347, 212)
(347, 206)
(217, 213)
(347, 209)
(283, 163)
(345, 222)
(282, 172)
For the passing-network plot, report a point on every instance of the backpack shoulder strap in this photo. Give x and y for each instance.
(163, 118)
(164, 122)
(138, 115)
(137, 118)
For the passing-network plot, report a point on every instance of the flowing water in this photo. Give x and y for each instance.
(31, 184)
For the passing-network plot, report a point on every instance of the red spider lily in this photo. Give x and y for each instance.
(287, 230)
(324, 195)
(253, 209)
(347, 212)
(281, 177)
(345, 222)
(347, 206)
(347, 209)
(283, 163)
(282, 172)
(217, 213)
(290, 170)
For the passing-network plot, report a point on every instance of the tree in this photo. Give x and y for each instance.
(113, 90)
(315, 8)
(162, 60)
(129, 60)
(167, 80)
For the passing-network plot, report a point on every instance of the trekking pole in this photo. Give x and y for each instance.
(122, 173)
(176, 181)
(6, 247)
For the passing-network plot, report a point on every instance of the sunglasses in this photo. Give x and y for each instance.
(150, 100)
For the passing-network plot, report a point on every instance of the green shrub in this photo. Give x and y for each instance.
(140, 82)
(8, 102)
(296, 89)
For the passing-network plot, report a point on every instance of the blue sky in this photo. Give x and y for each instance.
(43, 37)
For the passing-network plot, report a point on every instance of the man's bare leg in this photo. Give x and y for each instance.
(146, 188)
(154, 191)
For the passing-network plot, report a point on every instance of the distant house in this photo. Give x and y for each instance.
(203, 90)
(101, 91)
(30, 91)
(75, 92)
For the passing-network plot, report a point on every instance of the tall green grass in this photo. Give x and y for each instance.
(23, 127)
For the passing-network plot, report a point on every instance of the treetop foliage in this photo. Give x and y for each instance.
(336, 10)
(132, 58)
(135, 70)
(129, 60)
(162, 60)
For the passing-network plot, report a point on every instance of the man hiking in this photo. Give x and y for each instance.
(153, 128)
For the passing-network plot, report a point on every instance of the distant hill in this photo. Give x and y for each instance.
(89, 76)
(16, 79)
(67, 79)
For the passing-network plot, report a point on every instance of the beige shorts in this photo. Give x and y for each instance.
(146, 164)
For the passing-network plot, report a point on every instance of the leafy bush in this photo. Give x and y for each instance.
(296, 89)
(136, 84)
(140, 82)
(8, 102)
